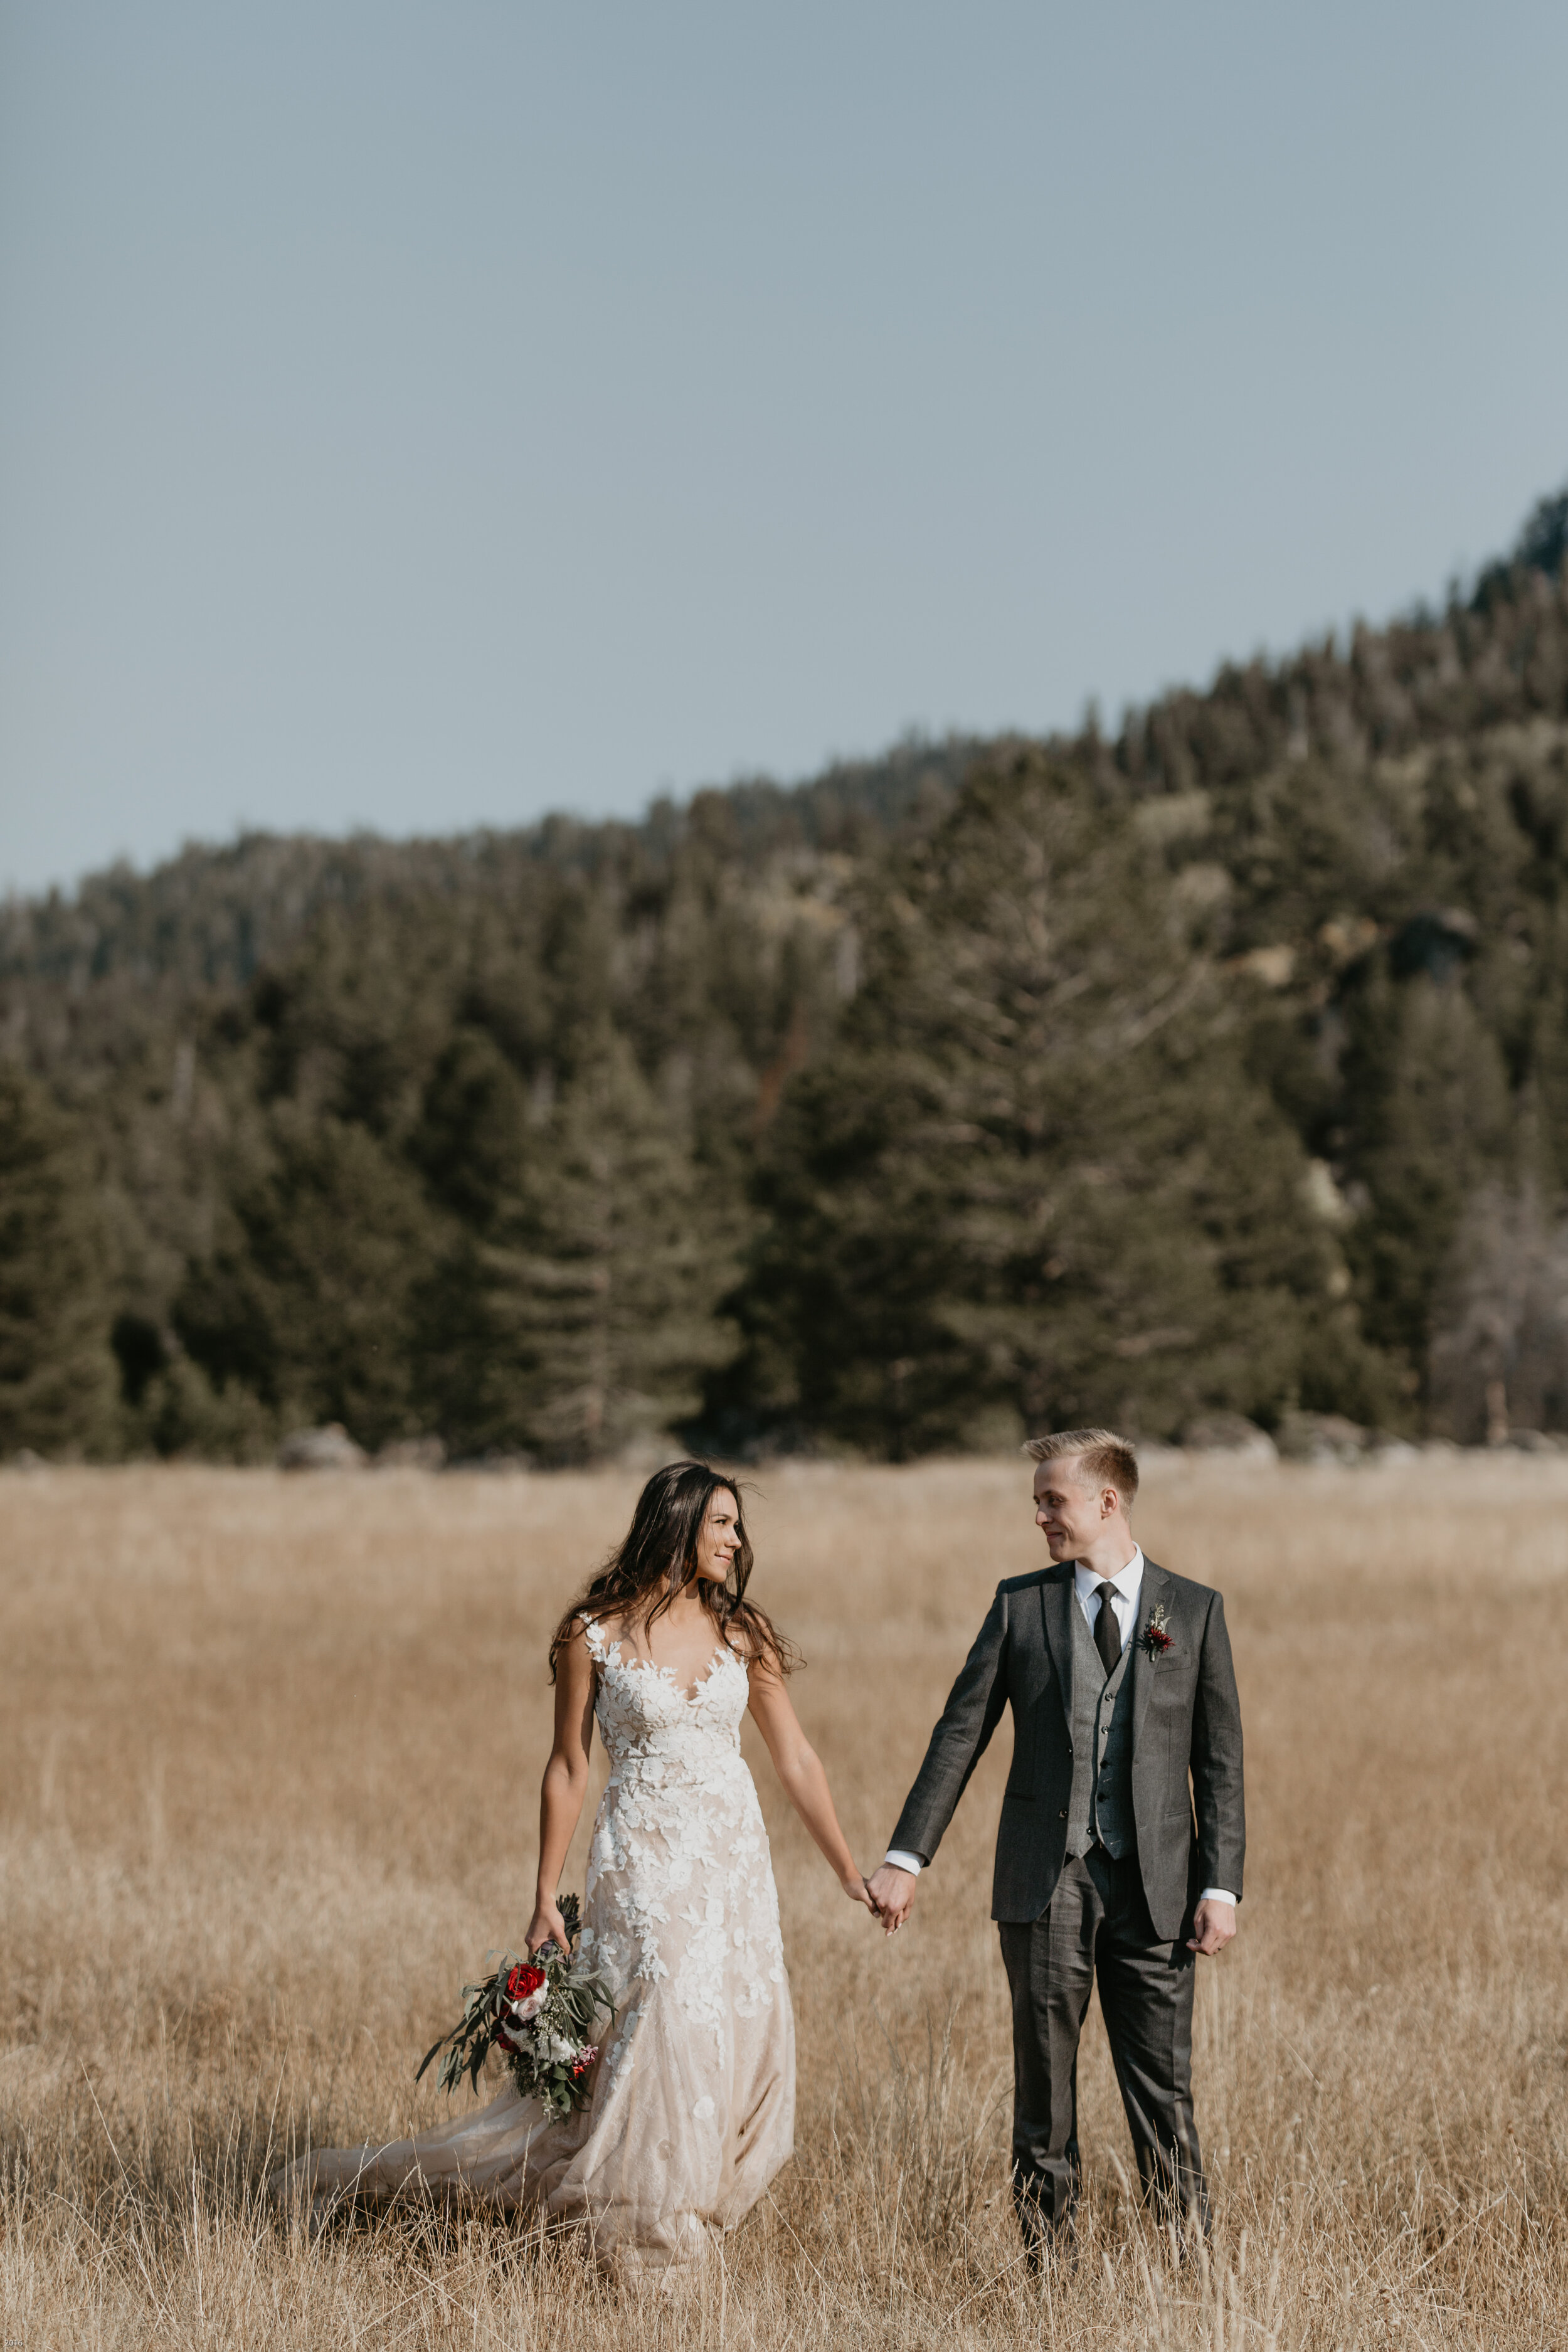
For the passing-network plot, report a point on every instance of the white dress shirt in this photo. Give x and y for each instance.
(1127, 1586)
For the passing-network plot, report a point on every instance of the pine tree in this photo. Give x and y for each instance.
(56, 1372)
(588, 1318)
(306, 1302)
(1033, 1183)
(1431, 1121)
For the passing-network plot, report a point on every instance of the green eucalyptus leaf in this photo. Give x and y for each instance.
(429, 2055)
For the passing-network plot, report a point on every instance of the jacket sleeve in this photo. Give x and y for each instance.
(972, 1711)
(1216, 1760)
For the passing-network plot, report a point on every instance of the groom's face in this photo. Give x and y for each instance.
(1066, 1512)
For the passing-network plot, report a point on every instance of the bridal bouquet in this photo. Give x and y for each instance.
(540, 2012)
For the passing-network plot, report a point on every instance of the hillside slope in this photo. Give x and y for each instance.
(1220, 1065)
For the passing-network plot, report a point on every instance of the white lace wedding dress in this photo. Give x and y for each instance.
(693, 2103)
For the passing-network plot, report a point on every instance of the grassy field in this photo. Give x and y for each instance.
(269, 1750)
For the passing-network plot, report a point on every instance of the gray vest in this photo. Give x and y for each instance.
(1102, 1803)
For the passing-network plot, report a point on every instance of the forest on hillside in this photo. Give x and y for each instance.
(1220, 1066)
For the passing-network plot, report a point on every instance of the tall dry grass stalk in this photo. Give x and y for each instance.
(270, 1752)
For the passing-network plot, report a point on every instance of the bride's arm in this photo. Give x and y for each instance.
(804, 1783)
(565, 1785)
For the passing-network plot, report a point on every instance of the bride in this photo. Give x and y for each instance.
(692, 2110)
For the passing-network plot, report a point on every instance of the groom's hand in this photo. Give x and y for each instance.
(892, 1892)
(1213, 1925)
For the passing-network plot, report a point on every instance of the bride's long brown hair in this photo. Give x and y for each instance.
(657, 1559)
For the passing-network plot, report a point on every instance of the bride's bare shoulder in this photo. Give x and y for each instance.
(745, 1643)
(583, 1637)
(608, 1627)
(768, 1655)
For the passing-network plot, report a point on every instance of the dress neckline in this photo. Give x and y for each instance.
(648, 1666)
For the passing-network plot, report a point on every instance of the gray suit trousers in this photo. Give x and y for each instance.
(1097, 1926)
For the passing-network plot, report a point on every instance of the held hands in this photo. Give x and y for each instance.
(1213, 1925)
(890, 1893)
(856, 1889)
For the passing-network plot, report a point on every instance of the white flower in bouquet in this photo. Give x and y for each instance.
(529, 2003)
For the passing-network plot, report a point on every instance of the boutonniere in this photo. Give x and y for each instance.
(1154, 1640)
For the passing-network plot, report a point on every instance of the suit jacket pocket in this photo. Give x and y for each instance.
(1020, 1786)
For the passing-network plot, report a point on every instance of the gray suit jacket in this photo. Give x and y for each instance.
(1186, 1745)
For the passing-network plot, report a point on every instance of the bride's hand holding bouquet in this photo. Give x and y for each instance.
(546, 1927)
(539, 2012)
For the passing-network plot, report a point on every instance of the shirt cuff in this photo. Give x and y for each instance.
(902, 1861)
(1218, 1895)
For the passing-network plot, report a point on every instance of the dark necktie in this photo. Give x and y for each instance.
(1107, 1631)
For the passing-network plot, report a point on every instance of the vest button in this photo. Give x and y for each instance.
(1063, 1814)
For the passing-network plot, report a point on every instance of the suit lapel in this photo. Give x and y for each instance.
(1057, 1602)
(1156, 1589)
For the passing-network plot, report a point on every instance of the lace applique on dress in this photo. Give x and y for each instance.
(680, 1885)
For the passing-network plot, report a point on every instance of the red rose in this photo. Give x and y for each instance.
(525, 1978)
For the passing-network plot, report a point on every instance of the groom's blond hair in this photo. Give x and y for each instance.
(1108, 1460)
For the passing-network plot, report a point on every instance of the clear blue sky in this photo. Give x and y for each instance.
(420, 415)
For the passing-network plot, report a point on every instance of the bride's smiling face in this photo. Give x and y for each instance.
(719, 1538)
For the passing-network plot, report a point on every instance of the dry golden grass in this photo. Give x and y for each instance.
(270, 1751)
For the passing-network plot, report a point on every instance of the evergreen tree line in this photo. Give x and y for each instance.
(1220, 1065)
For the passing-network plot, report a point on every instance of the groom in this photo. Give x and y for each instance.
(1125, 1720)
